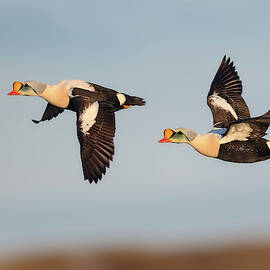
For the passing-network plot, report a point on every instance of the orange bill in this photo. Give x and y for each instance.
(16, 87)
(167, 135)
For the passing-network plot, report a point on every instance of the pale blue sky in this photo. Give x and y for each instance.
(164, 51)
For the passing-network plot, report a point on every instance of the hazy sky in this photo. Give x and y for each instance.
(168, 53)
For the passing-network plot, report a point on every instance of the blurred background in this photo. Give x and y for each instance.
(157, 202)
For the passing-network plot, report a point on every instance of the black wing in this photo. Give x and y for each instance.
(95, 130)
(108, 96)
(50, 112)
(247, 129)
(224, 97)
(101, 94)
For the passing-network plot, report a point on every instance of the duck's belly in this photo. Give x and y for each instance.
(244, 151)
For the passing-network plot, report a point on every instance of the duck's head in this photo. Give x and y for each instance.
(28, 88)
(179, 135)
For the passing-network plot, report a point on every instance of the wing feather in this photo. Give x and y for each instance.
(50, 112)
(247, 129)
(97, 147)
(224, 98)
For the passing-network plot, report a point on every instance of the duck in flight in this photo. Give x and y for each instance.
(235, 136)
(95, 106)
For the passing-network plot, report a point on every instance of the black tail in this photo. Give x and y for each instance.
(132, 100)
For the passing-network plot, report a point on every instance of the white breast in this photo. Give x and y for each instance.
(207, 144)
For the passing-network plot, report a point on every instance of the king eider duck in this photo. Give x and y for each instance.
(95, 106)
(235, 136)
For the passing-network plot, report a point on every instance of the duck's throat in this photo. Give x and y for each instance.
(207, 144)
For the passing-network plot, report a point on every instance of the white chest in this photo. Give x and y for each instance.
(207, 144)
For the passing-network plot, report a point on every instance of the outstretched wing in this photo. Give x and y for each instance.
(95, 130)
(224, 97)
(50, 112)
(247, 129)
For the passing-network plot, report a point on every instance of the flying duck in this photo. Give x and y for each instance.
(95, 106)
(235, 136)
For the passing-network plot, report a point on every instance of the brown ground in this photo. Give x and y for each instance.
(252, 257)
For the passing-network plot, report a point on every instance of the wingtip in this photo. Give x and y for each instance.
(92, 180)
(227, 61)
(35, 121)
(93, 176)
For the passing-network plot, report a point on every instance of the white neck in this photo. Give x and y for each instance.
(56, 95)
(207, 144)
(59, 94)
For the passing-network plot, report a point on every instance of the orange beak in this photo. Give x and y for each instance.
(164, 140)
(16, 87)
(167, 134)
